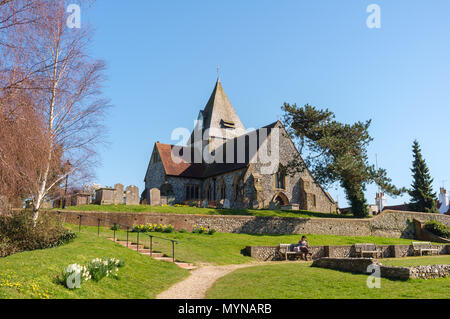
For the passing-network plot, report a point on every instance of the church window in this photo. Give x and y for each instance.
(222, 190)
(211, 194)
(280, 178)
(192, 192)
(238, 187)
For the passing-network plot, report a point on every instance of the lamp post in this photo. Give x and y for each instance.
(68, 165)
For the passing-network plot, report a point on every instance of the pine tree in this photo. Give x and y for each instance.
(423, 199)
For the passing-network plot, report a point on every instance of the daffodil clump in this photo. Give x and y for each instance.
(100, 268)
(203, 230)
(74, 275)
(159, 228)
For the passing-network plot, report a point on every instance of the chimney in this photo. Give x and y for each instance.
(443, 199)
(380, 201)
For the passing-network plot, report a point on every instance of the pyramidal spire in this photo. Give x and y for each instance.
(219, 113)
(220, 117)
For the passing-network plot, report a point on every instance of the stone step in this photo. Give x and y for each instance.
(153, 255)
(157, 256)
(186, 266)
(134, 246)
(169, 259)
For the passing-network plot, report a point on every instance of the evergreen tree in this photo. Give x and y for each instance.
(336, 153)
(423, 199)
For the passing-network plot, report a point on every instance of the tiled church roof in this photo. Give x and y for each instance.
(203, 170)
(181, 169)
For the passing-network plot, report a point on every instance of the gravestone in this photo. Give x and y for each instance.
(118, 195)
(132, 195)
(226, 204)
(155, 197)
(205, 204)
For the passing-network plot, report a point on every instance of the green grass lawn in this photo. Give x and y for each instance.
(300, 281)
(203, 211)
(223, 248)
(32, 274)
(417, 261)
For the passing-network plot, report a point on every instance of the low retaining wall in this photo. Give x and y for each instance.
(388, 224)
(270, 253)
(361, 265)
(423, 234)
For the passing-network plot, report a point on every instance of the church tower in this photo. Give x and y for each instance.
(218, 120)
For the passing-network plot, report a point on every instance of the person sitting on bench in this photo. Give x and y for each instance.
(303, 247)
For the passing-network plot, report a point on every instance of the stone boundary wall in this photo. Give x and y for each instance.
(361, 265)
(388, 224)
(270, 253)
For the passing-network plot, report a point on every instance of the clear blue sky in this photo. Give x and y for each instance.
(162, 58)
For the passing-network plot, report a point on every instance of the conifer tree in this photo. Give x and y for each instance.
(423, 199)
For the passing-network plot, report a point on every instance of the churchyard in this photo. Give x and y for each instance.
(33, 274)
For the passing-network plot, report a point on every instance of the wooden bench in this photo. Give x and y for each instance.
(367, 249)
(421, 247)
(285, 250)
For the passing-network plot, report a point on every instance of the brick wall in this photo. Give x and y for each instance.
(388, 224)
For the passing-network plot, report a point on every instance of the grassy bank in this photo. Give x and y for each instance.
(222, 248)
(203, 211)
(32, 274)
(300, 281)
(417, 261)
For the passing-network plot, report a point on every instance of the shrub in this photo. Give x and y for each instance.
(437, 228)
(115, 227)
(168, 229)
(18, 233)
(212, 231)
(183, 231)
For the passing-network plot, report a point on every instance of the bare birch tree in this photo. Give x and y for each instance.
(69, 93)
(65, 85)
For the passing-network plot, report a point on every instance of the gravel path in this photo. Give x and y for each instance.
(200, 280)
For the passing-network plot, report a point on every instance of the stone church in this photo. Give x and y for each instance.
(236, 177)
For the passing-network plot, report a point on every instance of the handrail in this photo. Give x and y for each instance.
(174, 242)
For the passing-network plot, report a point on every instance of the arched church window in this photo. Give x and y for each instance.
(280, 178)
(222, 189)
(238, 187)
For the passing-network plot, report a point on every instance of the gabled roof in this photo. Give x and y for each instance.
(221, 168)
(203, 170)
(181, 169)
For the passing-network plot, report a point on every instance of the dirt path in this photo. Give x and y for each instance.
(200, 280)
